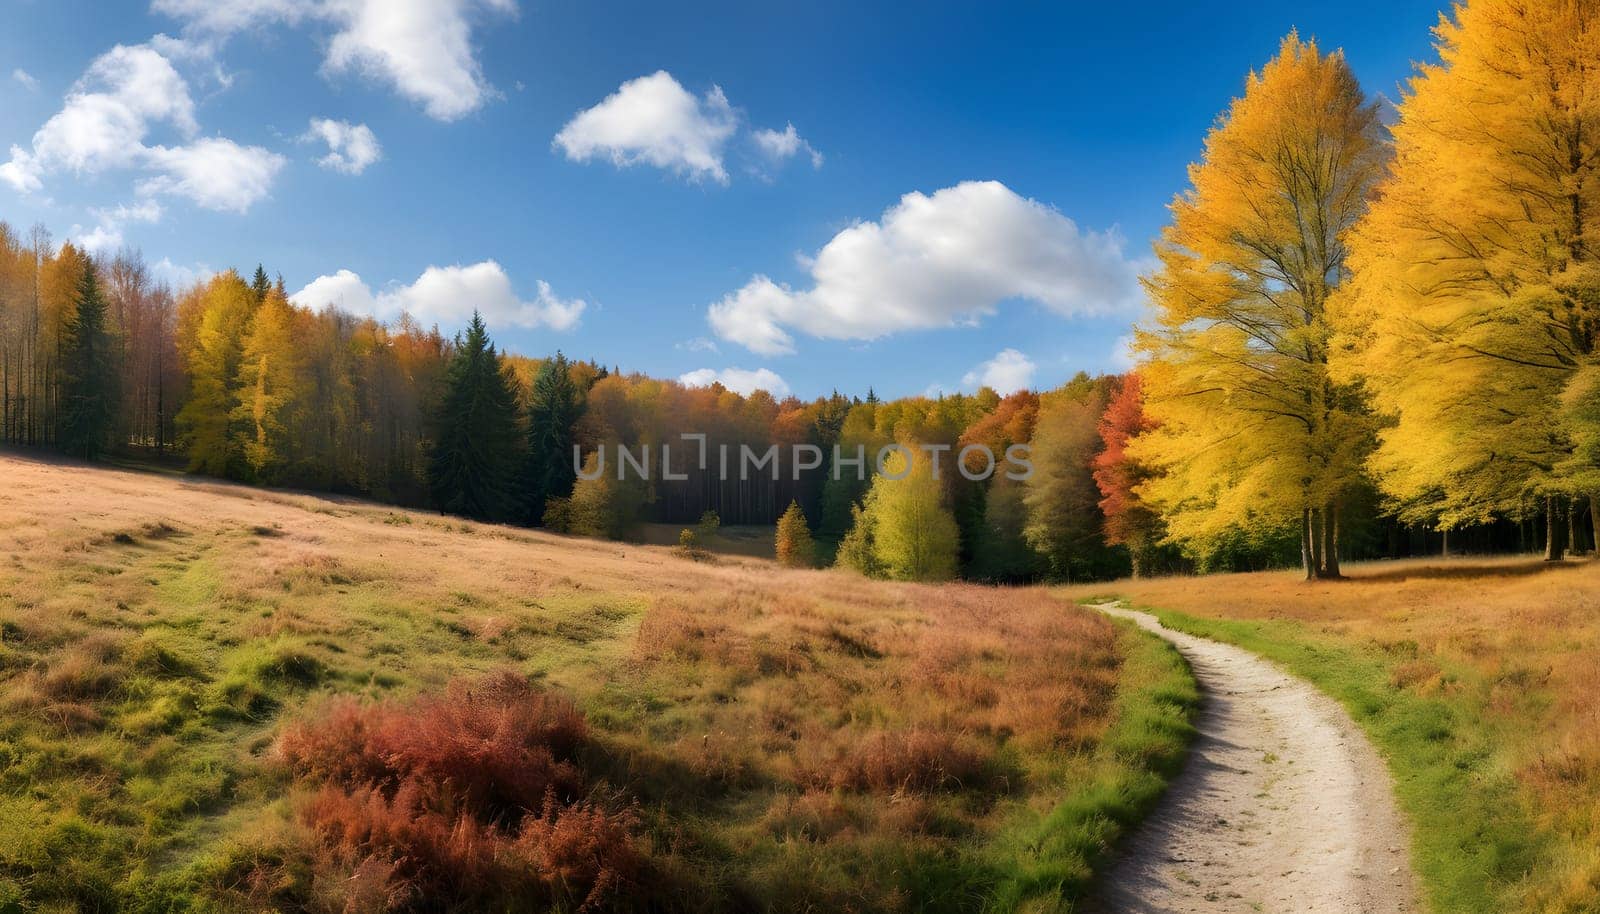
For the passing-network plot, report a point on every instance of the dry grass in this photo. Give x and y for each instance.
(1502, 655)
(792, 740)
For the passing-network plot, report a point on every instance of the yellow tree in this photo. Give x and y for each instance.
(795, 548)
(59, 278)
(1253, 432)
(914, 536)
(268, 386)
(1477, 290)
(212, 329)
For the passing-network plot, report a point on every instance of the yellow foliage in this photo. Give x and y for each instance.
(216, 318)
(269, 383)
(1254, 432)
(1475, 299)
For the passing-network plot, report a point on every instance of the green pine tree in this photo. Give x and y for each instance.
(473, 464)
(552, 412)
(260, 285)
(88, 379)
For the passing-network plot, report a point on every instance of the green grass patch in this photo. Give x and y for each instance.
(1049, 863)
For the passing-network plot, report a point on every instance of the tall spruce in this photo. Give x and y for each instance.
(476, 452)
(260, 285)
(88, 378)
(553, 411)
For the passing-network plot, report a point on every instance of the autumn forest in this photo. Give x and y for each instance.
(304, 609)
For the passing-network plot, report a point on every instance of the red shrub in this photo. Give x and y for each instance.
(499, 744)
(462, 801)
(582, 851)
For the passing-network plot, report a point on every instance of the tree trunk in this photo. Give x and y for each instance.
(1444, 542)
(1306, 551)
(1574, 545)
(1552, 529)
(1330, 542)
(1594, 521)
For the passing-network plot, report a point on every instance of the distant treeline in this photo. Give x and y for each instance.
(96, 357)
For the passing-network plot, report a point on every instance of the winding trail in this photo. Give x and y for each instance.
(1283, 807)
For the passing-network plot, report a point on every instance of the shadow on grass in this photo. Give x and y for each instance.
(1462, 569)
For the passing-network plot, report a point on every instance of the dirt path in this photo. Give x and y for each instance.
(1283, 807)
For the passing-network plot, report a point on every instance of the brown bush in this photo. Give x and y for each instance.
(915, 761)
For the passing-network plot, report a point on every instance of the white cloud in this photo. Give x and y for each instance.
(143, 211)
(447, 296)
(101, 239)
(654, 120)
(25, 79)
(215, 173)
(224, 17)
(698, 344)
(739, 380)
(782, 146)
(351, 147)
(107, 234)
(180, 276)
(105, 118)
(21, 172)
(423, 48)
(1008, 372)
(936, 261)
(103, 125)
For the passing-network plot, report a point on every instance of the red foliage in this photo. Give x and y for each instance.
(1012, 422)
(499, 744)
(465, 799)
(1114, 473)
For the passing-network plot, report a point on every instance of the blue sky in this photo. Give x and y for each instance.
(1076, 122)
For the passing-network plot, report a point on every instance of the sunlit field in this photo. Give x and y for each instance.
(218, 698)
(1476, 677)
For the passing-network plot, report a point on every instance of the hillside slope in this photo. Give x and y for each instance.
(747, 737)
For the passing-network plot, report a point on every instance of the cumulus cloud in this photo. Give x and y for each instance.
(1008, 372)
(106, 118)
(422, 48)
(215, 173)
(936, 261)
(351, 147)
(447, 296)
(654, 120)
(739, 380)
(25, 79)
(785, 145)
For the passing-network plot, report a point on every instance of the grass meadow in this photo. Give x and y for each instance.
(1477, 678)
(215, 698)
